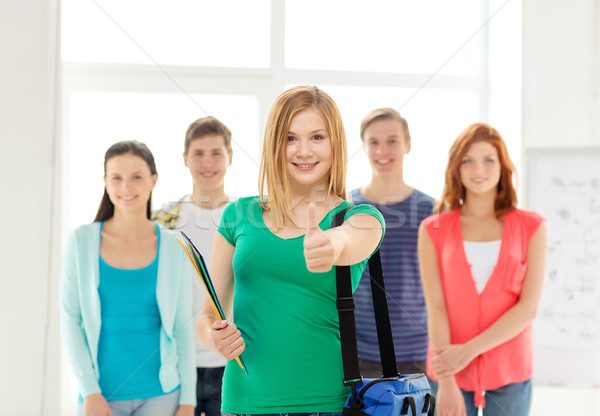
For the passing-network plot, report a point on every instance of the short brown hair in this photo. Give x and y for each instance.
(385, 113)
(205, 126)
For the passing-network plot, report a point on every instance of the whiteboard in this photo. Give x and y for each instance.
(563, 185)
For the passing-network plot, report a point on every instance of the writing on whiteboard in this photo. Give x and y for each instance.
(570, 308)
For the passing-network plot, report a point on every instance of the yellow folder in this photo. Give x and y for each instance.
(198, 262)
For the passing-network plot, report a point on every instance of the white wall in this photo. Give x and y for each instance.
(561, 73)
(28, 371)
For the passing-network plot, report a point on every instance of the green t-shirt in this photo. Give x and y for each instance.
(287, 317)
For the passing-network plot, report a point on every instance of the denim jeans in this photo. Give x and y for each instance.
(208, 391)
(511, 400)
(164, 405)
(287, 414)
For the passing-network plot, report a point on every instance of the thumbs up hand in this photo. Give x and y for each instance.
(320, 248)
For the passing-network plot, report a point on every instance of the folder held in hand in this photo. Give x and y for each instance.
(198, 262)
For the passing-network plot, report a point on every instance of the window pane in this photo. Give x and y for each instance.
(383, 35)
(435, 118)
(99, 119)
(179, 32)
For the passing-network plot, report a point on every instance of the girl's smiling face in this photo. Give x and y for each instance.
(480, 168)
(308, 150)
(129, 182)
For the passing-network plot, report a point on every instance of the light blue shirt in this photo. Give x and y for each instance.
(80, 314)
(129, 344)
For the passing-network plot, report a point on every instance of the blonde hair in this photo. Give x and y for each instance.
(273, 176)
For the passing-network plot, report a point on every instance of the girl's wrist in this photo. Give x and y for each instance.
(471, 349)
(447, 381)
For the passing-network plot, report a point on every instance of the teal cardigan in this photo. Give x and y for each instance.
(80, 312)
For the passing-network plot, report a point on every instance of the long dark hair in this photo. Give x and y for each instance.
(133, 147)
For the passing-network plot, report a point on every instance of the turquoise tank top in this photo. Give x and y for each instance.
(129, 345)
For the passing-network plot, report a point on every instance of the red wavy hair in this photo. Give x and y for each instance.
(454, 194)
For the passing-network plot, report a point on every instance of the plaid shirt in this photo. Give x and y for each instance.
(168, 215)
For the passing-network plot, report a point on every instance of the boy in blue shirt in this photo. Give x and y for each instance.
(386, 140)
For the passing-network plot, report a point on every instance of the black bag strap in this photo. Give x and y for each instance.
(346, 305)
(429, 405)
(382, 318)
(409, 402)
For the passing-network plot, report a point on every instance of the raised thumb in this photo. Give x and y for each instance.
(312, 225)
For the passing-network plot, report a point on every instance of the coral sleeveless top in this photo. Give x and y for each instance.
(470, 313)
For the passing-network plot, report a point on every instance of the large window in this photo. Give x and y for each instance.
(180, 32)
(99, 119)
(144, 70)
(383, 36)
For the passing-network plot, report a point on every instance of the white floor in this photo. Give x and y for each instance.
(565, 401)
(547, 401)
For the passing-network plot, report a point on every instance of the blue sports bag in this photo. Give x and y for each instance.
(408, 394)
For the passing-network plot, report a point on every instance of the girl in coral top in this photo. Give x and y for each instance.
(482, 264)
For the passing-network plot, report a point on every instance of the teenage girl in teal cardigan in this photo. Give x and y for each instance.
(125, 300)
